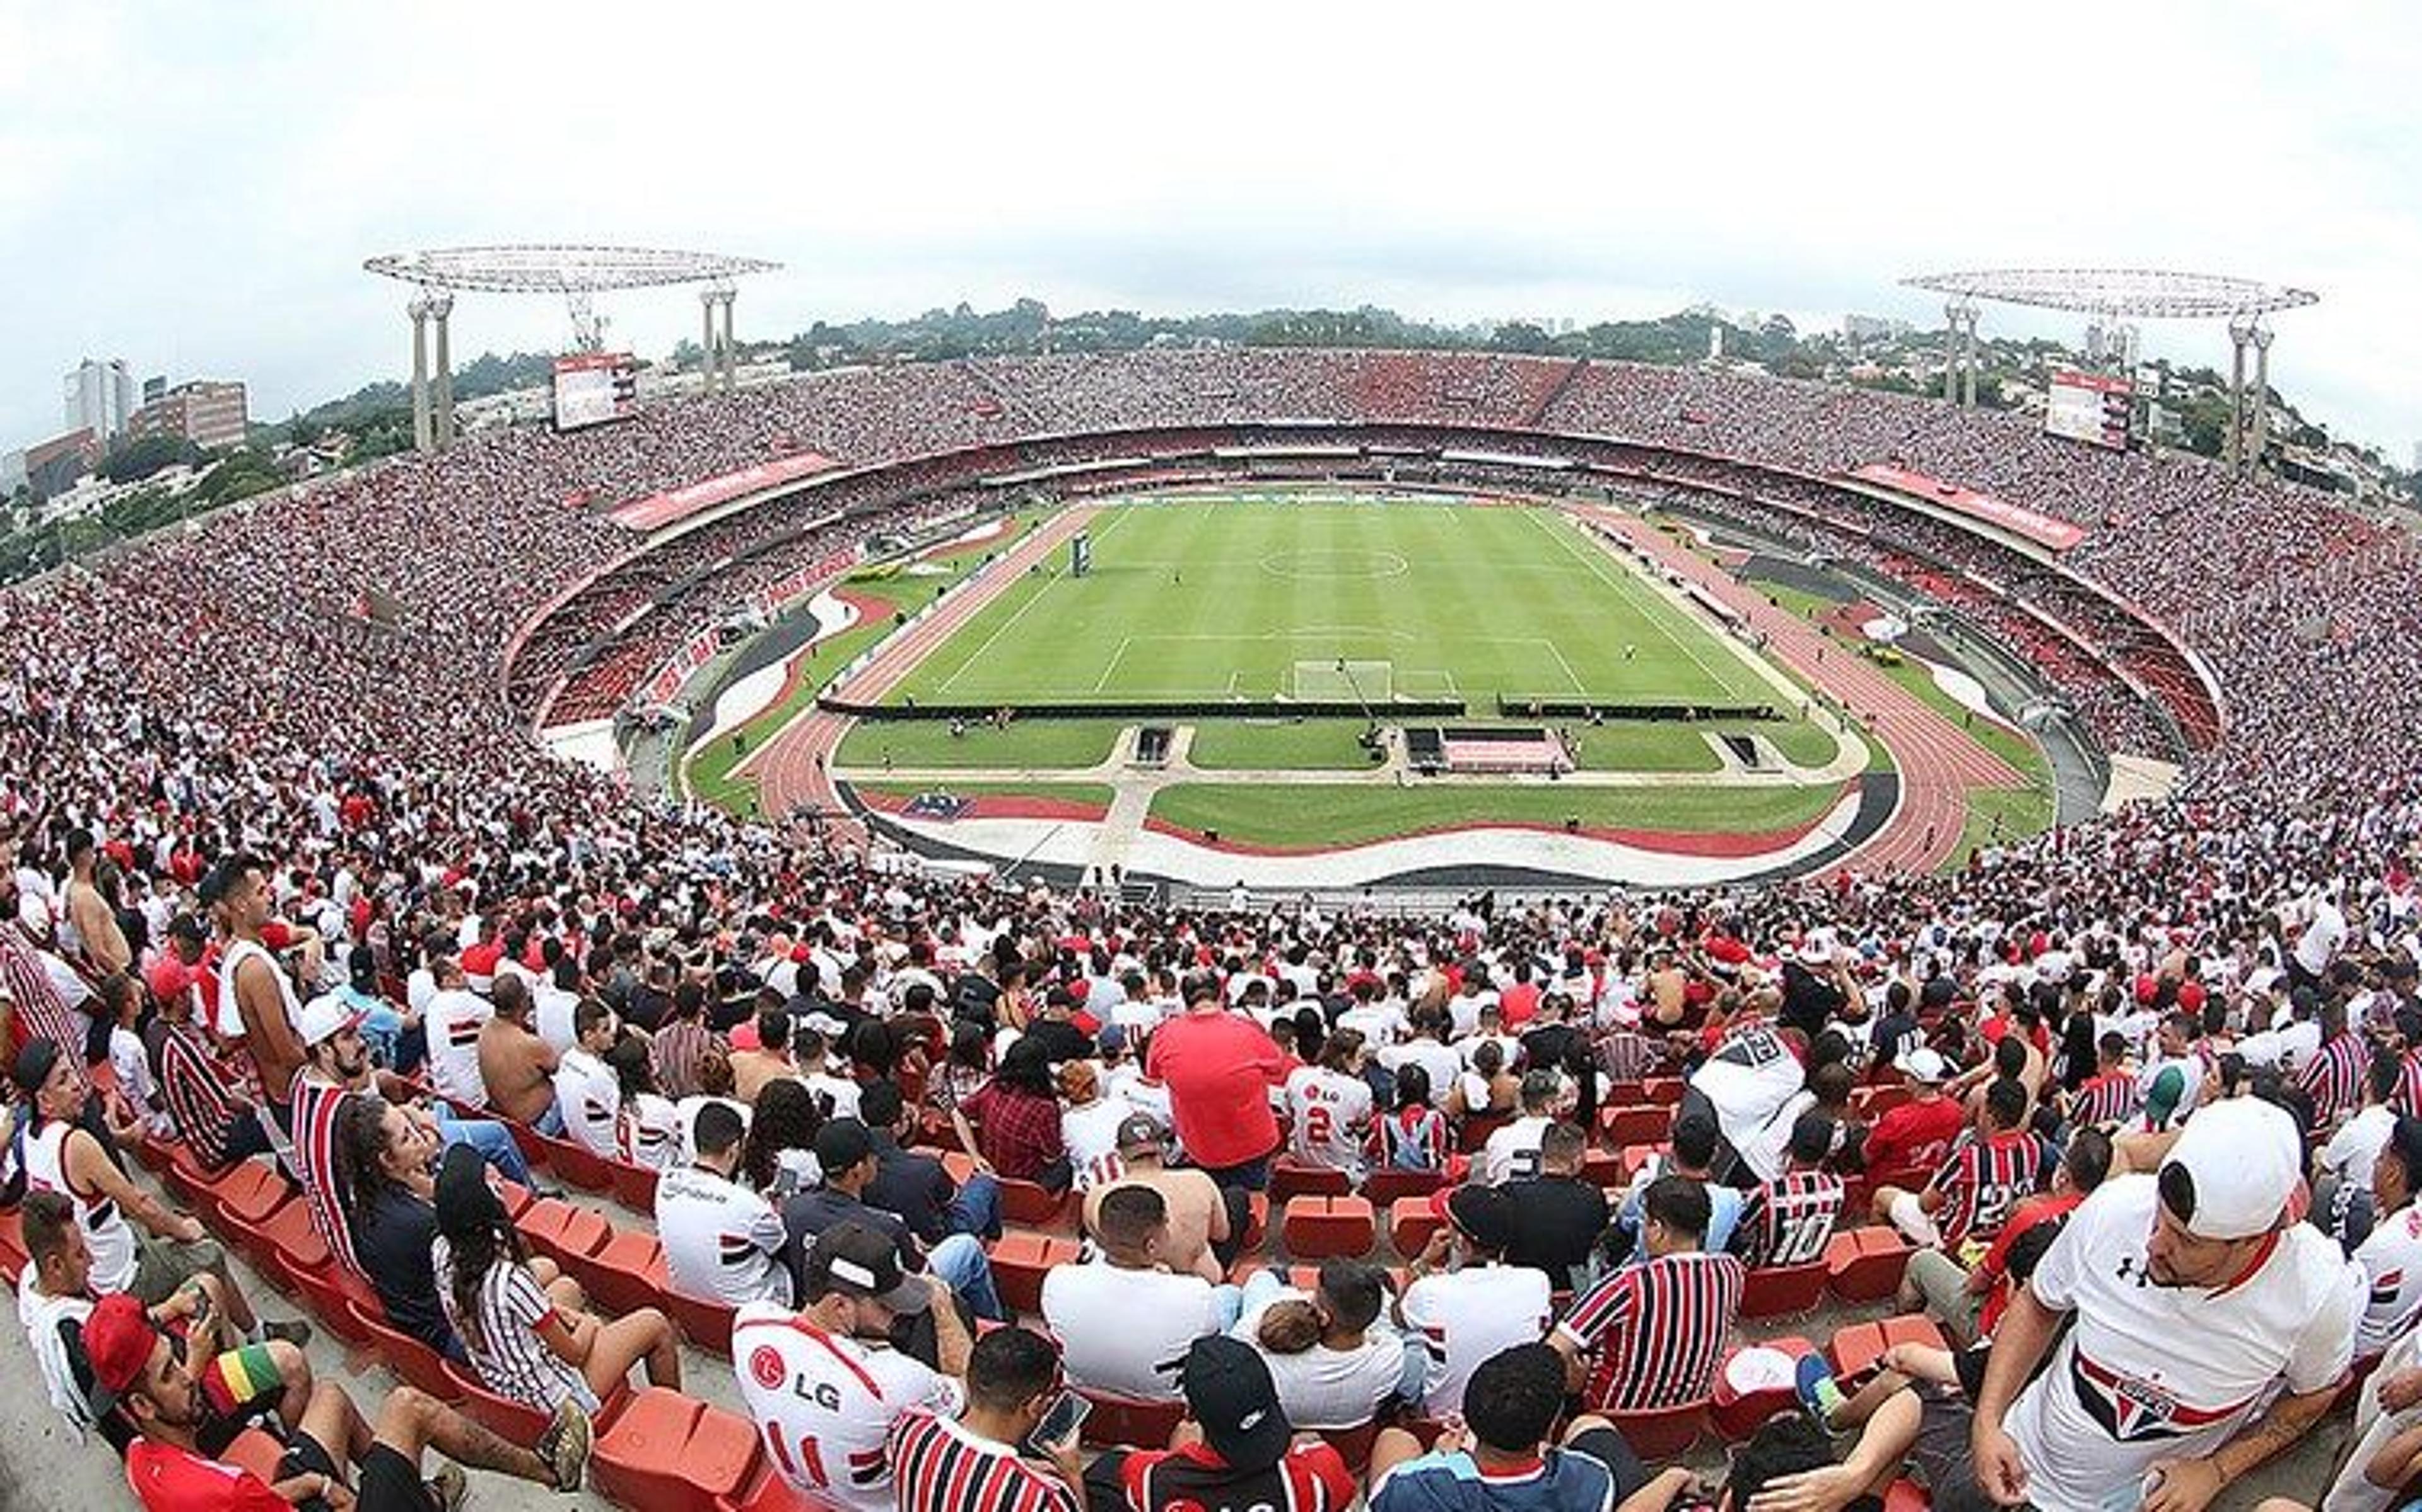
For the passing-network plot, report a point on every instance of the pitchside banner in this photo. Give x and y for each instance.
(593, 387)
(2089, 407)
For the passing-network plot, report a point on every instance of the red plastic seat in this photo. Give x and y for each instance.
(257, 1452)
(1019, 1263)
(634, 1186)
(1315, 1228)
(513, 1421)
(1290, 1179)
(13, 1255)
(627, 1273)
(765, 1491)
(1603, 1168)
(1665, 1089)
(290, 1248)
(564, 1233)
(1636, 1158)
(706, 1324)
(579, 1165)
(1662, 1432)
(1643, 1123)
(333, 1295)
(670, 1452)
(1476, 1131)
(1906, 1495)
(1029, 1205)
(1864, 1265)
(406, 1357)
(1385, 1188)
(1856, 1347)
(1410, 1223)
(516, 1197)
(1735, 1415)
(247, 1193)
(1123, 1421)
(1784, 1290)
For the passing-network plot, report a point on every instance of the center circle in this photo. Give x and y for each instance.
(1335, 564)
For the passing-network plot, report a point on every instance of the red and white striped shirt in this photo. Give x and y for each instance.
(1657, 1329)
(2409, 1083)
(2108, 1098)
(938, 1466)
(1981, 1182)
(195, 1088)
(2335, 1079)
(1789, 1220)
(316, 1107)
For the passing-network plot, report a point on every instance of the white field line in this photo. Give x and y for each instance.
(1593, 558)
(1051, 581)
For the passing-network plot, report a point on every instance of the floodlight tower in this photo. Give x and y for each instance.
(577, 274)
(2113, 293)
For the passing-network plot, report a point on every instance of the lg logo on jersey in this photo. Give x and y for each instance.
(765, 1365)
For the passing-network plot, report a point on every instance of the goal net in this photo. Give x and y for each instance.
(1335, 681)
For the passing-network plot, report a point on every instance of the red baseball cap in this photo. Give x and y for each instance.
(118, 1338)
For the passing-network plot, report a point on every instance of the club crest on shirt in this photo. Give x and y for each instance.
(2133, 1410)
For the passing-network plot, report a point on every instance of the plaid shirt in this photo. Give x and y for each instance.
(1017, 1131)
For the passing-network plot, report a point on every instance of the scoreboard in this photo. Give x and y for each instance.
(592, 387)
(2089, 407)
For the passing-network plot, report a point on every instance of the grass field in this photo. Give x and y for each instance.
(1342, 815)
(1263, 600)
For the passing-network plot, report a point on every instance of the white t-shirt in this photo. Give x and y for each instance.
(1091, 1135)
(2354, 1149)
(453, 1019)
(1462, 1317)
(1326, 1388)
(42, 1315)
(686, 1114)
(1330, 1110)
(2168, 1372)
(1438, 1062)
(550, 1012)
(1512, 1153)
(839, 1090)
(2321, 938)
(2391, 1258)
(589, 1097)
(824, 1403)
(651, 1132)
(722, 1242)
(1127, 1331)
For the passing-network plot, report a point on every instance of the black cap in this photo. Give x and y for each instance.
(1229, 1390)
(361, 964)
(842, 1143)
(1484, 1214)
(857, 1261)
(189, 927)
(34, 1065)
(465, 1203)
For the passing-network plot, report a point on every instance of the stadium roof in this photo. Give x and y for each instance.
(2139, 292)
(551, 268)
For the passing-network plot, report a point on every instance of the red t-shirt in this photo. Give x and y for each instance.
(1217, 1068)
(1517, 1002)
(1312, 1478)
(1914, 1134)
(169, 1479)
(1996, 1263)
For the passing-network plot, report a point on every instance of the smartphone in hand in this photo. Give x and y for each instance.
(1061, 1425)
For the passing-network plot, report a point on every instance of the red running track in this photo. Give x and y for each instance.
(1938, 760)
(791, 768)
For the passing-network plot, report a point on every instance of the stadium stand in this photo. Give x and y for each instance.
(205, 697)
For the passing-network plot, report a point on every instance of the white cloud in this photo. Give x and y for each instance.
(194, 188)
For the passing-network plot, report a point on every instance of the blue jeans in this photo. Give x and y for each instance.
(977, 1207)
(551, 1122)
(962, 1264)
(494, 1141)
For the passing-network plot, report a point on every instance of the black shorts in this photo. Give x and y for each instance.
(384, 1481)
(1607, 1447)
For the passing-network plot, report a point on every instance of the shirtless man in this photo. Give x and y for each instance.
(517, 1066)
(95, 926)
(1197, 1212)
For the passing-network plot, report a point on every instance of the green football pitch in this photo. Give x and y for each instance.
(1336, 601)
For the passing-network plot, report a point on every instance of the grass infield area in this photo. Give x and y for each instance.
(1245, 600)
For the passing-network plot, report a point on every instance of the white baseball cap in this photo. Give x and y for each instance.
(325, 1016)
(1923, 1065)
(2243, 1157)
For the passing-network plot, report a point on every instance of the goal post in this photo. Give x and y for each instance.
(1337, 680)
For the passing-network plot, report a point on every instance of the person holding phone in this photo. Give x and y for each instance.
(977, 1458)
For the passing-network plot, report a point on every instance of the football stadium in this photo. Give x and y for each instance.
(1217, 918)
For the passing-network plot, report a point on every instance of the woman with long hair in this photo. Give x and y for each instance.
(387, 1186)
(780, 1156)
(1015, 1133)
(527, 1340)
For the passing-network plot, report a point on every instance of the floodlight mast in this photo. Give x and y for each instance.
(2112, 294)
(575, 272)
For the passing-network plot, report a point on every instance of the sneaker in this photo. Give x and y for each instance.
(448, 1487)
(293, 1331)
(564, 1445)
(1820, 1394)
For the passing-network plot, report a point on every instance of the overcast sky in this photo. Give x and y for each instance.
(194, 187)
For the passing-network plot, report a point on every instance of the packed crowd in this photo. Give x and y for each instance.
(288, 883)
